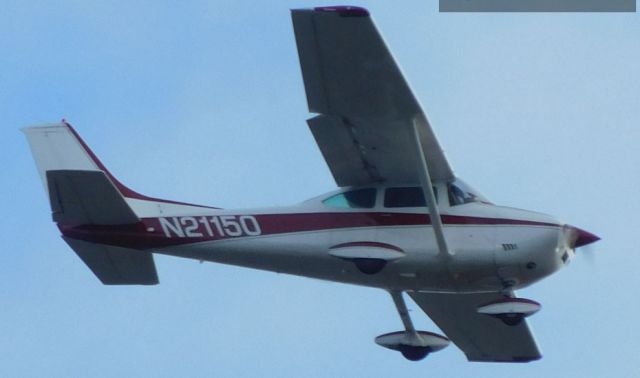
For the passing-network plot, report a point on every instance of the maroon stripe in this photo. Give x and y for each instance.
(121, 187)
(281, 223)
(139, 236)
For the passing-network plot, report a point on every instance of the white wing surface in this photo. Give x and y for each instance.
(480, 337)
(367, 110)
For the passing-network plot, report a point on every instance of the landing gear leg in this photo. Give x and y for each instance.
(401, 306)
(414, 345)
(412, 350)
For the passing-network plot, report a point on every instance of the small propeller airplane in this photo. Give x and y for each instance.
(400, 220)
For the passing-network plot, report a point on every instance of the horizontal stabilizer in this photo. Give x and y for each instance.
(86, 197)
(116, 265)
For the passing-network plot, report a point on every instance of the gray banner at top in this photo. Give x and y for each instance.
(537, 5)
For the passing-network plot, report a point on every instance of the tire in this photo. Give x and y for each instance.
(414, 353)
(511, 320)
(370, 266)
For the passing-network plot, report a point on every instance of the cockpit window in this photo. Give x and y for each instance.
(354, 199)
(461, 193)
(404, 197)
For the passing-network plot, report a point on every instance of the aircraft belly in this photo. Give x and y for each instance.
(307, 254)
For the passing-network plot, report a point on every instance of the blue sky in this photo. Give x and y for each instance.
(204, 103)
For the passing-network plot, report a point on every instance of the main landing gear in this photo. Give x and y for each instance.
(414, 345)
(369, 266)
(510, 310)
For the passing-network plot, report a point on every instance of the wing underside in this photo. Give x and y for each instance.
(480, 337)
(367, 110)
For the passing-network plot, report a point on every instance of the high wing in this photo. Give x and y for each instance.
(481, 338)
(367, 110)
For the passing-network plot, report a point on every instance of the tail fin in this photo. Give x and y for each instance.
(58, 147)
(83, 192)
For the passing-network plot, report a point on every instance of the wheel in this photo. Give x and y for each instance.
(414, 353)
(511, 319)
(369, 266)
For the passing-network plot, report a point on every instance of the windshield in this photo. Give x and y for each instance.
(461, 193)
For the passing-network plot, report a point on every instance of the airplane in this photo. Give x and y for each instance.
(400, 220)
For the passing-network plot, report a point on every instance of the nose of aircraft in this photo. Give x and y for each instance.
(582, 237)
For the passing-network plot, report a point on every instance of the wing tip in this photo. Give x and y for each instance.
(512, 359)
(345, 10)
(341, 10)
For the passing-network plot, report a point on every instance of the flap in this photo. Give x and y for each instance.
(365, 130)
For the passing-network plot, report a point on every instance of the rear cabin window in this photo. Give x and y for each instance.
(354, 199)
(404, 197)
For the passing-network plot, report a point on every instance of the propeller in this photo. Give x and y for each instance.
(589, 253)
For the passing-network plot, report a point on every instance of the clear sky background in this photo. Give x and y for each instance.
(203, 102)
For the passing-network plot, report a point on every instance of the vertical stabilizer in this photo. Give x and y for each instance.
(56, 147)
(82, 194)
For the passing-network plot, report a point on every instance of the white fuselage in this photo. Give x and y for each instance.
(494, 247)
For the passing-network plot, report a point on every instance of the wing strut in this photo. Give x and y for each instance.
(427, 188)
